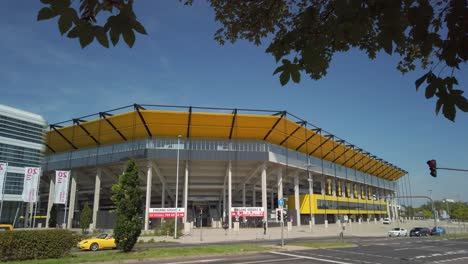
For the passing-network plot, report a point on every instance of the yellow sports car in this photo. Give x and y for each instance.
(100, 242)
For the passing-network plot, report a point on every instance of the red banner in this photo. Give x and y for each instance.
(247, 212)
(166, 213)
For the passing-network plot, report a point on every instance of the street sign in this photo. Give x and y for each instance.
(281, 202)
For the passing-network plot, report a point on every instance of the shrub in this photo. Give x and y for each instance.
(86, 217)
(167, 228)
(53, 216)
(35, 244)
(128, 198)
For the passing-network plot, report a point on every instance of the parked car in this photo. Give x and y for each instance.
(397, 232)
(103, 241)
(438, 231)
(420, 231)
(386, 221)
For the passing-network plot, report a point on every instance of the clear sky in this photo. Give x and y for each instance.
(368, 103)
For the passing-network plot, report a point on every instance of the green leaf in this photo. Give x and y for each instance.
(431, 90)
(64, 24)
(46, 13)
(139, 27)
(421, 80)
(73, 33)
(279, 69)
(129, 37)
(86, 36)
(438, 106)
(387, 44)
(296, 75)
(114, 36)
(284, 78)
(101, 36)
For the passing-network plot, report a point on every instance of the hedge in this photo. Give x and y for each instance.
(35, 244)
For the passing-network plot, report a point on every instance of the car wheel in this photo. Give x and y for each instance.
(94, 247)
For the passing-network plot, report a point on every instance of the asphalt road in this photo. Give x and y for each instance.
(367, 251)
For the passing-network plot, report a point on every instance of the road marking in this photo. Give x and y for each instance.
(307, 257)
(448, 260)
(413, 248)
(195, 261)
(363, 254)
(263, 261)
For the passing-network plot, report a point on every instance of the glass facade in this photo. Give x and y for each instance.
(21, 130)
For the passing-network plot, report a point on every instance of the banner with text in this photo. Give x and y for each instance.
(31, 180)
(61, 186)
(247, 211)
(3, 169)
(166, 212)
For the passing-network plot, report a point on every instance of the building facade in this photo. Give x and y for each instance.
(227, 158)
(21, 145)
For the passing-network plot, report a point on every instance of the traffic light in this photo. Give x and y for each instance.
(285, 215)
(278, 215)
(433, 167)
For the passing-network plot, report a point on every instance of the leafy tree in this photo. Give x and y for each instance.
(128, 199)
(86, 217)
(53, 216)
(304, 35)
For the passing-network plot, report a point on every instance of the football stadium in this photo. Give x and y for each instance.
(220, 166)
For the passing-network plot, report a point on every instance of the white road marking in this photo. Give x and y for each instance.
(307, 257)
(195, 261)
(413, 248)
(268, 261)
(448, 260)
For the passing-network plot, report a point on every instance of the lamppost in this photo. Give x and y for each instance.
(177, 187)
(311, 185)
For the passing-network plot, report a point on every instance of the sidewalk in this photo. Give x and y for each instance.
(212, 235)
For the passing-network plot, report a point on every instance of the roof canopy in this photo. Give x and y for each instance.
(280, 128)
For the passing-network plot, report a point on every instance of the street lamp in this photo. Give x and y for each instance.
(311, 182)
(177, 187)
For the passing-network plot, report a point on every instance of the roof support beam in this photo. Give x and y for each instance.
(309, 138)
(393, 174)
(370, 171)
(321, 144)
(78, 122)
(50, 148)
(104, 116)
(371, 160)
(385, 171)
(292, 133)
(232, 123)
(162, 179)
(189, 121)
(137, 108)
(66, 139)
(283, 113)
(363, 156)
(333, 149)
(342, 154)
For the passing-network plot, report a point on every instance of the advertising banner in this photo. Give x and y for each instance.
(31, 180)
(166, 212)
(247, 211)
(61, 186)
(3, 169)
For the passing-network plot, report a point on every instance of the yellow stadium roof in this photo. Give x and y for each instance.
(196, 122)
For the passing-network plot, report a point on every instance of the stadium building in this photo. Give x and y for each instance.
(226, 158)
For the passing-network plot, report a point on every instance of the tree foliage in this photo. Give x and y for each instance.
(86, 217)
(128, 198)
(53, 216)
(304, 35)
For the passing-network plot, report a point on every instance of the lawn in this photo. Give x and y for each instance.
(148, 254)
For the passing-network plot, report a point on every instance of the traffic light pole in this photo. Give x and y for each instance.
(282, 227)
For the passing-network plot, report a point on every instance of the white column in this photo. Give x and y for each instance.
(50, 203)
(243, 195)
(186, 190)
(297, 203)
(229, 194)
(97, 194)
(163, 195)
(280, 185)
(149, 182)
(264, 195)
(311, 192)
(71, 206)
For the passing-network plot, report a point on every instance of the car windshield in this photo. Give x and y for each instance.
(396, 229)
(102, 236)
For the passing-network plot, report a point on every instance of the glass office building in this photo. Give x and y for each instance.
(21, 145)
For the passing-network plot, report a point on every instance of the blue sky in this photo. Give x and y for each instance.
(368, 103)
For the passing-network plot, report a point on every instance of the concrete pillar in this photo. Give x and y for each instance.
(264, 196)
(297, 200)
(149, 182)
(97, 194)
(50, 203)
(163, 195)
(243, 195)
(229, 194)
(333, 184)
(311, 193)
(280, 184)
(186, 190)
(71, 206)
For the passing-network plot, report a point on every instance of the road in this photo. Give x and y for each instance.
(367, 251)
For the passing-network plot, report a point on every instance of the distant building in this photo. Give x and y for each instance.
(21, 145)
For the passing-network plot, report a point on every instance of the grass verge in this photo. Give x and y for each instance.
(322, 244)
(148, 254)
